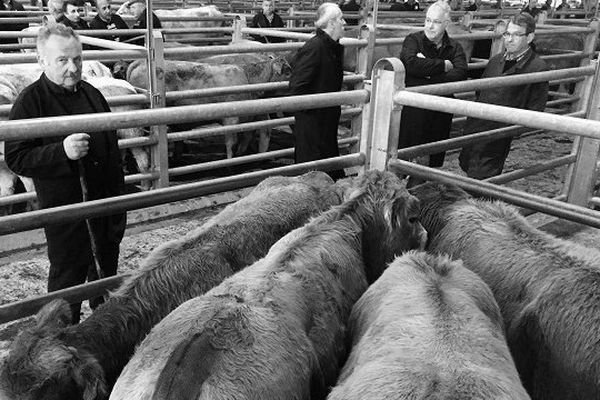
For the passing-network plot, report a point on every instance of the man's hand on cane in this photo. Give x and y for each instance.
(76, 145)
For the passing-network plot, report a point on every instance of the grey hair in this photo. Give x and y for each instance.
(54, 29)
(444, 6)
(325, 13)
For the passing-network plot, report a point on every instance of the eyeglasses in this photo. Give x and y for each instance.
(514, 35)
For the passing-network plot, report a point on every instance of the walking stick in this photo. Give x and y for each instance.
(92, 235)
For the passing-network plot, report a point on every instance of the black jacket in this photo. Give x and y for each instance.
(116, 22)
(13, 5)
(260, 21)
(424, 62)
(351, 6)
(56, 177)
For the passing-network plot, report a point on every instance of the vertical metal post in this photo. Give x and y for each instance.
(380, 134)
(364, 55)
(159, 154)
(584, 171)
(290, 23)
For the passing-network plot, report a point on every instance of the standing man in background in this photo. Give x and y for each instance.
(70, 16)
(268, 18)
(138, 9)
(107, 19)
(430, 56)
(318, 69)
(56, 163)
(353, 7)
(484, 160)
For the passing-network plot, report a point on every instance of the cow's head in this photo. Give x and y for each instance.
(40, 366)
(435, 199)
(389, 216)
(281, 69)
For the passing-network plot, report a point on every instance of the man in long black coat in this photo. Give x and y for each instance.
(54, 162)
(429, 57)
(318, 69)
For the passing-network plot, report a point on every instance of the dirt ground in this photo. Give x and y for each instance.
(26, 277)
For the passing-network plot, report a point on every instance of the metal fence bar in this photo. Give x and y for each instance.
(532, 170)
(113, 205)
(52, 126)
(548, 206)
(532, 119)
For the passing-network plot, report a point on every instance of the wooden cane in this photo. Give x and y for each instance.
(92, 235)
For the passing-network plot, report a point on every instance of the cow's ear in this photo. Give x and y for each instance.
(89, 376)
(54, 315)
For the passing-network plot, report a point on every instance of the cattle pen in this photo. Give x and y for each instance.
(375, 124)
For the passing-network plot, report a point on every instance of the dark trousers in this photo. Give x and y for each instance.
(484, 160)
(66, 275)
(419, 126)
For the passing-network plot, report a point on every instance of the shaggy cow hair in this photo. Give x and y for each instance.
(428, 329)
(276, 330)
(547, 288)
(53, 359)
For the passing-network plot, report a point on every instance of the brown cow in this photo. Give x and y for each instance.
(428, 328)
(55, 361)
(276, 329)
(547, 288)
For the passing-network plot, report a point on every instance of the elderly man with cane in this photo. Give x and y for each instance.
(64, 168)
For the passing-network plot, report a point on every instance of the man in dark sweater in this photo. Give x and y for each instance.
(107, 19)
(138, 9)
(268, 18)
(318, 69)
(56, 163)
(70, 16)
(430, 56)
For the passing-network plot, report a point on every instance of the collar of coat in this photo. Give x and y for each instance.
(57, 89)
(328, 40)
(521, 60)
(445, 41)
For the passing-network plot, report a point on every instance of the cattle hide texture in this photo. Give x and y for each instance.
(173, 273)
(276, 330)
(428, 328)
(547, 288)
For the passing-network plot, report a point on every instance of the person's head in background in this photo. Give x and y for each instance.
(519, 34)
(71, 10)
(268, 7)
(436, 21)
(104, 10)
(59, 55)
(137, 7)
(330, 20)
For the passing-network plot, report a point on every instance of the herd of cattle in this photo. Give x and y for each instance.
(310, 289)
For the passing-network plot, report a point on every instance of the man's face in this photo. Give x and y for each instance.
(104, 10)
(72, 13)
(337, 24)
(137, 9)
(60, 59)
(267, 7)
(435, 23)
(515, 39)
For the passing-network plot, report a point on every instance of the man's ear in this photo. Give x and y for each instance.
(530, 37)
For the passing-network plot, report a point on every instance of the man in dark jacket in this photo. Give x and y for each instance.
(430, 56)
(107, 19)
(138, 9)
(56, 163)
(318, 69)
(70, 16)
(11, 5)
(484, 160)
(268, 18)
